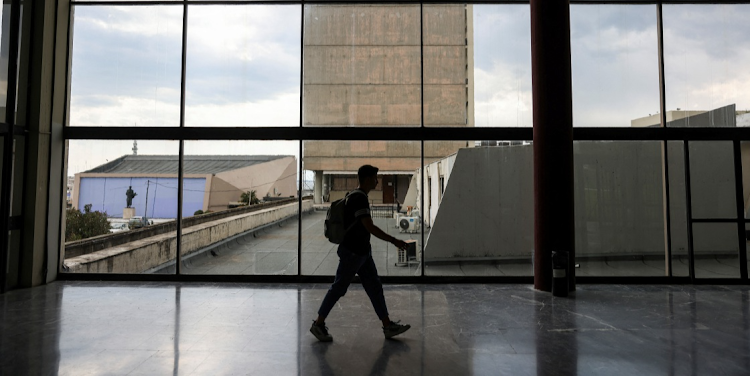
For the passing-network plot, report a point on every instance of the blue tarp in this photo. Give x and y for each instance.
(108, 194)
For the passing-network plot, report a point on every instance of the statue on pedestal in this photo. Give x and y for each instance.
(130, 194)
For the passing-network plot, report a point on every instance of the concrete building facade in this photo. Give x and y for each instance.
(363, 66)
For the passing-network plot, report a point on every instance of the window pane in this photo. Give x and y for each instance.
(706, 65)
(331, 171)
(615, 69)
(447, 77)
(479, 210)
(716, 250)
(125, 67)
(745, 158)
(243, 66)
(4, 56)
(121, 217)
(619, 208)
(502, 66)
(361, 65)
(240, 208)
(712, 179)
(678, 209)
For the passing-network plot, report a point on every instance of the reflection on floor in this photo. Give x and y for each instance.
(273, 250)
(95, 328)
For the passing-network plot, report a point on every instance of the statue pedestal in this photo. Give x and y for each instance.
(128, 213)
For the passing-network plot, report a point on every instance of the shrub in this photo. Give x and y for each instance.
(81, 225)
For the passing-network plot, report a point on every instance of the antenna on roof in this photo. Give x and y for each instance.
(135, 143)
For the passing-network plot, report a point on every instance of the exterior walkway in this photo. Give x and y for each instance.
(273, 250)
(98, 328)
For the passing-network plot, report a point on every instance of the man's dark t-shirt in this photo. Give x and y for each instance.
(357, 239)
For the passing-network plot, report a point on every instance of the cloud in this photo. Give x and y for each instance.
(501, 32)
(502, 97)
(161, 110)
(238, 56)
(706, 54)
(502, 66)
(280, 111)
(115, 111)
(237, 53)
(614, 64)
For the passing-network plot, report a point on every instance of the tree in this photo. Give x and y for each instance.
(249, 198)
(84, 225)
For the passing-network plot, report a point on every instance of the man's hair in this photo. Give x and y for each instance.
(366, 171)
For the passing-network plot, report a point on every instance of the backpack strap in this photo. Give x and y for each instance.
(346, 200)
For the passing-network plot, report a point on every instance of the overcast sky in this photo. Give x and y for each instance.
(243, 68)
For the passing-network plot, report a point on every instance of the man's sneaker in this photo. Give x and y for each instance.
(395, 329)
(320, 332)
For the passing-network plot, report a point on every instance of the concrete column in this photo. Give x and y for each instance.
(318, 188)
(554, 227)
(38, 193)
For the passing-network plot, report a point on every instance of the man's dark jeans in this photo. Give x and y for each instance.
(349, 265)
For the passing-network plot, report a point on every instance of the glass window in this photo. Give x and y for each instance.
(745, 161)
(499, 52)
(361, 65)
(331, 171)
(712, 188)
(4, 56)
(240, 207)
(243, 66)
(125, 67)
(484, 223)
(447, 81)
(619, 208)
(706, 50)
(678, 209)
(123, 206)
(615, 69)
(716, 250)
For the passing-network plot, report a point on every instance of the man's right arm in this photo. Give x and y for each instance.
(380, 234)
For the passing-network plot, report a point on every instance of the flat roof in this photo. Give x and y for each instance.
(193, 164)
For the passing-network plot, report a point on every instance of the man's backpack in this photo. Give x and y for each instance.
(335, 227)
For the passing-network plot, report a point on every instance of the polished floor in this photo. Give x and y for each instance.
(131, 328)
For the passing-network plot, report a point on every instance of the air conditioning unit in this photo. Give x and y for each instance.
(408, 224)
(408, 254)
(397, 216)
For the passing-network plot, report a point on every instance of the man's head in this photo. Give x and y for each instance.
(368, 177)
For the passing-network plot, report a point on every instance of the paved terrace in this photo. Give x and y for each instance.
(274, 251)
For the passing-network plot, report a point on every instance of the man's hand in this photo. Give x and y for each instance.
(400, 244)
(380, 234)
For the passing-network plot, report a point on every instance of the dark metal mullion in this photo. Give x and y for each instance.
(396, 133)
(181, 158)
(689, 211)
(299, 210)
(421, 141)
(10, 110)
(301, 120)
(365, 2)
(714, 220)
(665, 143)
(740, 204)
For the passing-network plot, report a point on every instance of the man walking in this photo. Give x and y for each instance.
(355, 257)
